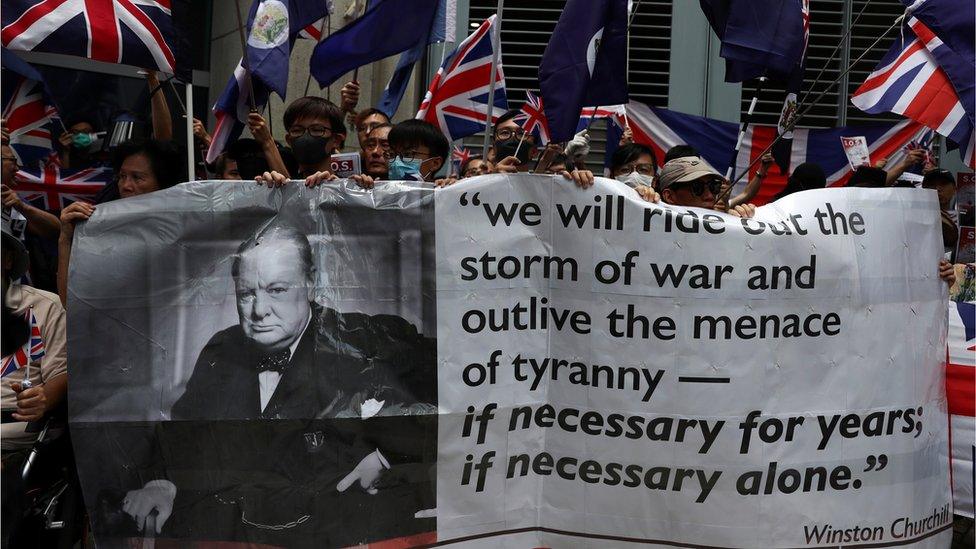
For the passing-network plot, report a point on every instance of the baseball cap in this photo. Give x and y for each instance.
(10, 241)
(683, 169)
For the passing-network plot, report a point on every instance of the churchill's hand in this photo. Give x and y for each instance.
(156, 495)
(367, 473)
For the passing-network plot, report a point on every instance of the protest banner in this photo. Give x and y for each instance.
(577, 367)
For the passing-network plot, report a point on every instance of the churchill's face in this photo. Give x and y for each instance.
(273, 294)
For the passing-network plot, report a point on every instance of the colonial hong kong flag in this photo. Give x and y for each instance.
(533, 118)
(457, 101)
(662, 129)
(141, 33)
(910, 81)
(31, 351)
(52, 188)
(961, 393)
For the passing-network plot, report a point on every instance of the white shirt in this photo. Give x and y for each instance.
(268, 381)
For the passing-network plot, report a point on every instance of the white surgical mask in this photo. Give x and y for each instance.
(634, 179)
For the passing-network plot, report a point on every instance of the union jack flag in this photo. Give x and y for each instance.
(27, 110)
(141, 33)
(52, 189)
(31, 351)
(909, 81)
(457, 101)
(533, 118)
(589, 113)
(460, 156)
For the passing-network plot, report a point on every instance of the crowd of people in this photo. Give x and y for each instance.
(37, 244)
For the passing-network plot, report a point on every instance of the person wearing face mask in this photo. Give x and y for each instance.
(634, 165)
(512, 148)
(80, 145)
(417, 151)
(315, 129)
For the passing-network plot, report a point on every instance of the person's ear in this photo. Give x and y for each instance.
(667, 195)
(438, 163)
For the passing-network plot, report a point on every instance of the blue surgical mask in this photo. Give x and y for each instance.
(401, 170)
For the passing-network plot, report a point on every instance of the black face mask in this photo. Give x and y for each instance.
(506, 148)
(309, 150)
(250, 167)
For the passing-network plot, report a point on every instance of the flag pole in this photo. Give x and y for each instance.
(190, 148)
(326, 21)
(746, 120)
(495, 53)
(244, 62)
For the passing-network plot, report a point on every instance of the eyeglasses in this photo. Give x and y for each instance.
(698, 186)
(643, 169)
(507, 133)
(315, 131)
(10, 158)
(368, 127)
(479, 170)
(408, 156)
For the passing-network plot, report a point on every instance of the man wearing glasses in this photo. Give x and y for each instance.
(315, 130)
(689, 181)
(35, 220)
(376, 151)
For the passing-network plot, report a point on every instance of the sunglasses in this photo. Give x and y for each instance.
(698, 186)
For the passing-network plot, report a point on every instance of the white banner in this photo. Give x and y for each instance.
(615, 372)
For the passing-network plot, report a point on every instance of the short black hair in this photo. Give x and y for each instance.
(509, 114)
(244, 147)
(629, 153)
(680, 151)
(363, 115)
(932, 178)
(868, 176)
(276, 232)
(314, 107)
(166, 160)
(413, 132)
(78, 118)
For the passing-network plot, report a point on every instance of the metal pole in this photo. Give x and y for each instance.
(496, 51)
(730, 171)
(244, 63)
(190, 145)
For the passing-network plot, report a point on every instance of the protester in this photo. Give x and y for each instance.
(578, 147)
(141, 167)
(689, 181)
(633, 165)
(376, 151)
(315, 129)
(367, 121)
(752, 187)
(48, 382)
(806, 176)
(37, 221)
(225, 167)
(557, 164)
(80, 144)
(475, 166)
(418, 150)
(944, 184)
(512, 147)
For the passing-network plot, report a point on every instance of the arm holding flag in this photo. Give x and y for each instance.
(162, 123)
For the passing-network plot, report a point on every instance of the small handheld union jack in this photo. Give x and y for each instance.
(31, 351)
(460, 156)
(533, 118)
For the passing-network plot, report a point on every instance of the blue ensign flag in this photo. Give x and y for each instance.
(759, 37)
(585, 62)
(387, 28)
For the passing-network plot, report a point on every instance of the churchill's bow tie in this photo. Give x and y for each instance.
(275, 362)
